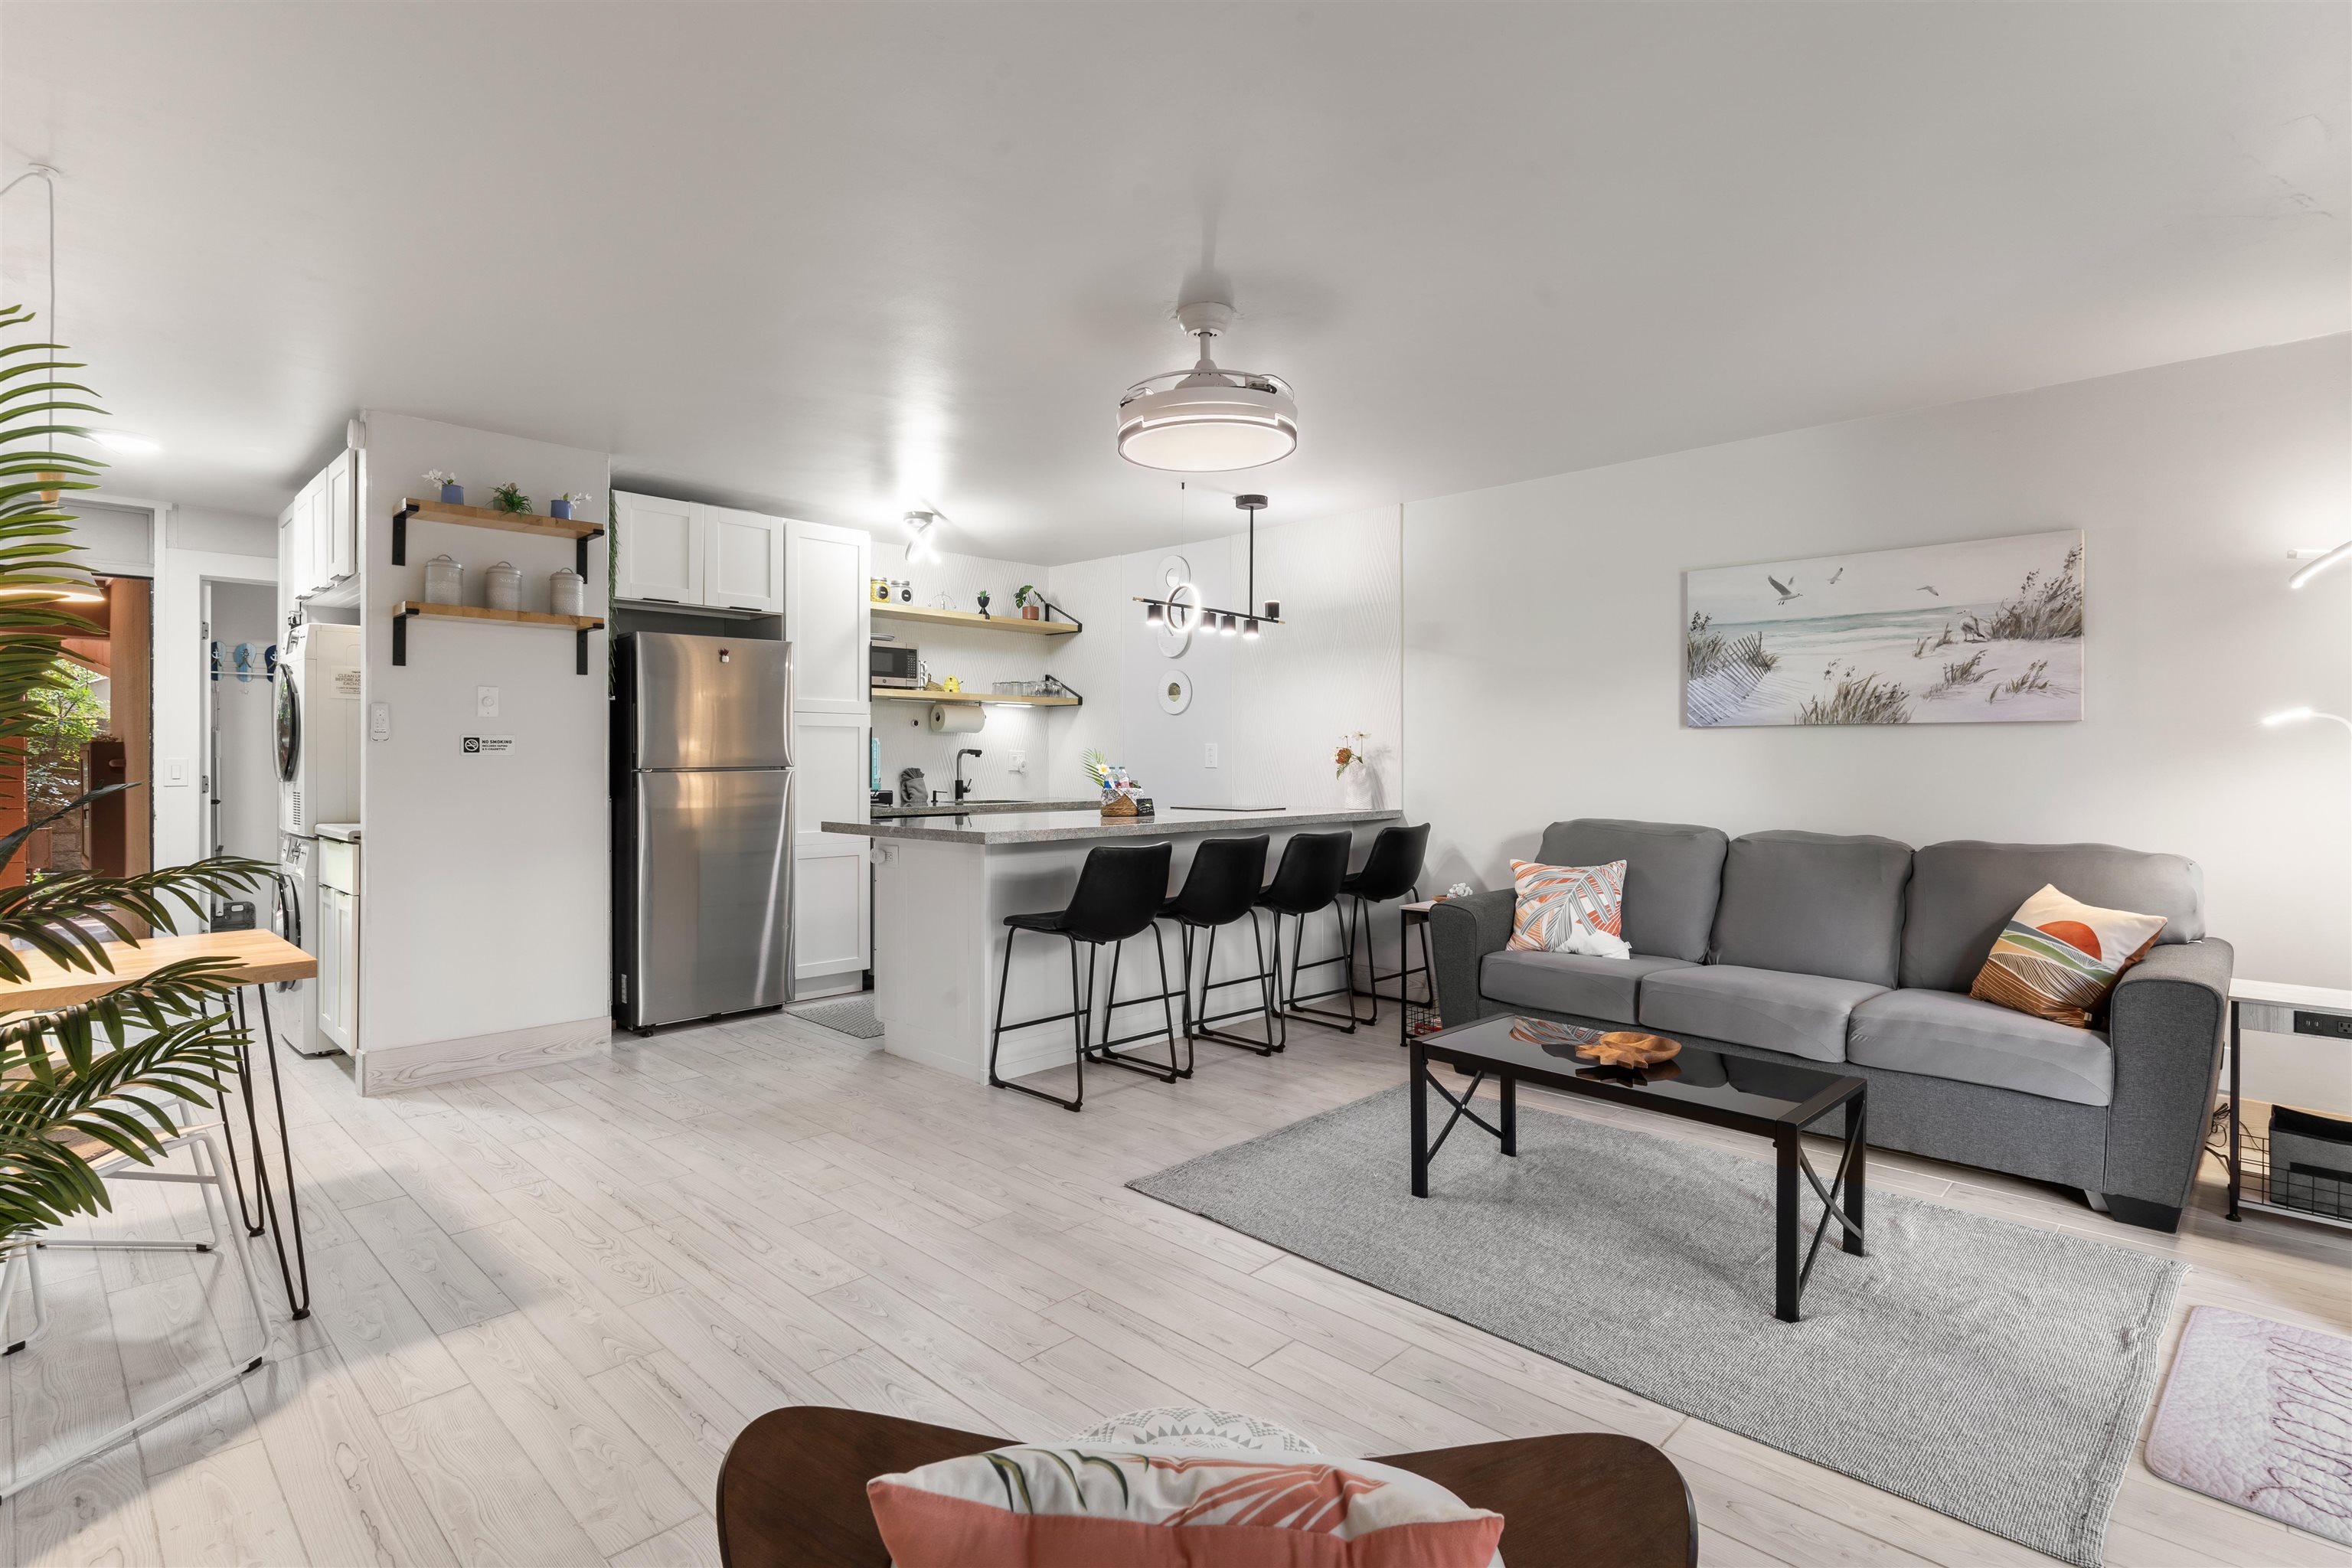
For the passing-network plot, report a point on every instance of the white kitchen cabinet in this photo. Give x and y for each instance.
(826, 619)
(660, 544)
(318, 546)
(337, 946)
(743, 561)
(711, 557)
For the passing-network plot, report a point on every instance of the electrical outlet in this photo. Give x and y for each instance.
(1018, 761)
(485, 702)
(1209, 754)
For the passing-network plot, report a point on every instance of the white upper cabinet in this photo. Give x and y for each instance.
(742, 561)
(318, 535)
(340, 513)
(662, 548)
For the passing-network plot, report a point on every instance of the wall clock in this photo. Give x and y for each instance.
(1175, 691)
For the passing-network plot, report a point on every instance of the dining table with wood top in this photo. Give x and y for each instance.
(255, 960)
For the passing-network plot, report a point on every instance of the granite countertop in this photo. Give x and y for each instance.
(1035, 826)
(977, 808)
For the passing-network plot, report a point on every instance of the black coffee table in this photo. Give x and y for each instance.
(1767, 1099)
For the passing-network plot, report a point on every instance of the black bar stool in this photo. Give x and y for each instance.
(1221, 887)
(1121, 889)
(1392, 870)
(1306, 882)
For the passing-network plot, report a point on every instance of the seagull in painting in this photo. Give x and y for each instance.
(1785, 589)
(1937, 591)
(1835, 575)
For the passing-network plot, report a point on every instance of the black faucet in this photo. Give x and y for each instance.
(963, 787)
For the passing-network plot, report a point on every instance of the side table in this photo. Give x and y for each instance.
(2311, 1011)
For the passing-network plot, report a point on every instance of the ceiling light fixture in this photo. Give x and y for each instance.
(1177, 613)
(1207, 420)
(922, 545)
(2320, 561)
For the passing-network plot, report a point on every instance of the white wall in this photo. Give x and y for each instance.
(979, 657)
(485, 897)
(1542, 639)
(1273, 707)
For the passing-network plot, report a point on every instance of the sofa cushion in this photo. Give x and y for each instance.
(1771, 1009)
(1962, 892)
(1939, 1035)
(1571, 982)
(1672, 873)
(1813, 903)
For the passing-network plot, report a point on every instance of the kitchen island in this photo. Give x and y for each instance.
(944, 885)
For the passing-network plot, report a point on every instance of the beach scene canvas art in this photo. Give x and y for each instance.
(1985, 632)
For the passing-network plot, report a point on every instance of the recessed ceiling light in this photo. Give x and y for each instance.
(1207, 420)
(128, 443)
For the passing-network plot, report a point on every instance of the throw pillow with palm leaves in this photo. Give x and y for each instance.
(120, 1070)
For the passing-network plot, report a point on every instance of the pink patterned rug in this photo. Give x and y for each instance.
(2260, 1415)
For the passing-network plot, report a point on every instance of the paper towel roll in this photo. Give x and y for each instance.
(955, 718)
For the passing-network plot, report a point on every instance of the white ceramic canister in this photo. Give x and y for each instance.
(567, 591)
(502, 586)
(444, 582)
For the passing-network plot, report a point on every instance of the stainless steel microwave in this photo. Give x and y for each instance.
(894, 664)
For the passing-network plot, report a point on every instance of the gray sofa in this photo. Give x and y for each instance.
(1855, 955)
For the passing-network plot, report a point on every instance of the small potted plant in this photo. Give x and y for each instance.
(508, 497)
(983, 604)
(1024, 600)
(452, 493)
(570, 503)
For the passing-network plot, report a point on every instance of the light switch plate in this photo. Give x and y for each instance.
(1209, 753)
(485, 702)
(175, 770)
(1018, 761)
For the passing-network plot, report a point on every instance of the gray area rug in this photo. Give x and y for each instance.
(852, 1015)
(1993, 1372)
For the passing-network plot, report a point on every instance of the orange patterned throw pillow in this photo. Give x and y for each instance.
(1083, 1506)
(1570, 908)
(2060, 959)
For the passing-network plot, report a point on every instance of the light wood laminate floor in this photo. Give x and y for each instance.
(546, 1301)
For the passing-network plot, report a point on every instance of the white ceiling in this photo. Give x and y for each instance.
(840, 259)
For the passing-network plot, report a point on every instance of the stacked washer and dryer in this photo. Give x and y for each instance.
(319, 739)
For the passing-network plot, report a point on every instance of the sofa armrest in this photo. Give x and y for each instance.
(2164, 1026)
(1462, 932)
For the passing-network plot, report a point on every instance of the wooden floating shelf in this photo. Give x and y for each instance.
(1011, 623)
(578, 530)
(407, 609)
(908, 694)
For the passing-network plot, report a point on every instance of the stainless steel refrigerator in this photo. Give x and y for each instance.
(702, 826)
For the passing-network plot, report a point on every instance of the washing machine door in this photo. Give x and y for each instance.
(290, 724)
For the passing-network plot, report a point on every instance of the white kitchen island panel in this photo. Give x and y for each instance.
(944, 886)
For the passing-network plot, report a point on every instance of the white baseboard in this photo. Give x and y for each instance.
(386, 1069)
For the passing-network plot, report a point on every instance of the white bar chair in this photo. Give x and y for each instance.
(210, 1176)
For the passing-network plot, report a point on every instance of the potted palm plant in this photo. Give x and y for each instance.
(115, 1069)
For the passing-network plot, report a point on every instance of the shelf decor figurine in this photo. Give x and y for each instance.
(445, 581)
(452, 493)
(570, 503)
(508, 497)
(502, 586)
(1022, 597)
(983, 604)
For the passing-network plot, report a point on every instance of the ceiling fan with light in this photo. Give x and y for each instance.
(1207, 420)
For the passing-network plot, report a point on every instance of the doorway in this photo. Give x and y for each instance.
(93, 729)
(240, 771)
